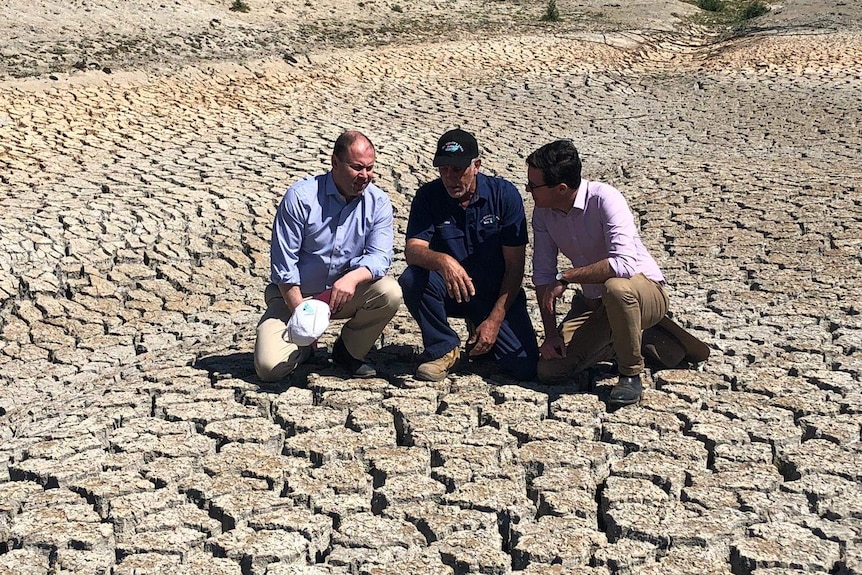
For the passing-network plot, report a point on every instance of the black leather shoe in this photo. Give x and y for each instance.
(627, 391)
(355, 367)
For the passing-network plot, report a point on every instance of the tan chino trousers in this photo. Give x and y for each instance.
(370, 309)
(595, 330)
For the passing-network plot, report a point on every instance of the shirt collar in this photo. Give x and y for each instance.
(329, 187)
(482, 193)
(581, 196)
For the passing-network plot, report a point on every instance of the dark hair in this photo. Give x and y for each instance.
(559, 163)
(347, 139)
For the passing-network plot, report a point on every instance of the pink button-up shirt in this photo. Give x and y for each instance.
(600, 225)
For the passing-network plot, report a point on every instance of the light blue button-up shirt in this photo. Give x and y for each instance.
(317, 236)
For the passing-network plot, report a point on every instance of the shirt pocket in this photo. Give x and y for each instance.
(450, 239)
(448, 232)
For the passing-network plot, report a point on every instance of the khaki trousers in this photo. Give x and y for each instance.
(370, 309)
(595, 330)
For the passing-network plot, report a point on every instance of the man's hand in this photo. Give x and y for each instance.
(459, 284)
(342, 292)
(484, 338)
(553, 347)
(549, 296)
(344, 287)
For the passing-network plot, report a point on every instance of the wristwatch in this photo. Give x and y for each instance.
(561, 279)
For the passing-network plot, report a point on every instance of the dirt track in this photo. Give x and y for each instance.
(135, 210)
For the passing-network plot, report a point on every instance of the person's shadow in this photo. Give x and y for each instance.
(392, 362)
(237, 365)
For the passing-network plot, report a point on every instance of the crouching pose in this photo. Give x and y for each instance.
(622, 288)
(466, 246)
(332, 235)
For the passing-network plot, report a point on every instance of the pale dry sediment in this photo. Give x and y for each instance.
(135, 224)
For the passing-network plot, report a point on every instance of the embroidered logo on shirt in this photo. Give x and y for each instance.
(490, 220)
(446, 223)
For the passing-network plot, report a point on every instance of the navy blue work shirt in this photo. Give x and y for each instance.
(474, 235)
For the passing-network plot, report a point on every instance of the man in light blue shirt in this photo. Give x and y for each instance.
(331, 239)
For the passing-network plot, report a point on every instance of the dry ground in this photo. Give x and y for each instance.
(56, 36)
(135, 209)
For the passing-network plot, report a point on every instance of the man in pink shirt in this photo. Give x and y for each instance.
(622, 287)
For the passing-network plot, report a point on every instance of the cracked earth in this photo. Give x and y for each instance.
(138, 181)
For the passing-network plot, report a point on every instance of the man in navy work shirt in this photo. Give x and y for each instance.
(466, 245)
(332, 234)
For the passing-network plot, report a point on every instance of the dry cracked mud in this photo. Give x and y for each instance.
(135, 213)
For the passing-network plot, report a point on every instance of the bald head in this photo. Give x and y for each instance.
(352, 163)
(346, 140)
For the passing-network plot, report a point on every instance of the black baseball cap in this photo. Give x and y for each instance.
(456, 148)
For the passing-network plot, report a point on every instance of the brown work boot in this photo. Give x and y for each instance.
(437, 369)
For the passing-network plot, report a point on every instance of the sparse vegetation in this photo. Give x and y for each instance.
(753, 10)
(729, 12)
(397, 8)
(239, 6)
(552, 14)
(710, 5)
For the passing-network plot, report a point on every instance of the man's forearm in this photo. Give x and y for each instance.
(292, 295)
(597, 273)
(548, 315)
(424, 257)
(359, 275)
(509, 289)
(513, 277)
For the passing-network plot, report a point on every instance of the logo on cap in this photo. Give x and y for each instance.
(452, 147)
(308, 322)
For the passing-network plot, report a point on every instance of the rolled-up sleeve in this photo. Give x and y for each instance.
(544, 252)
(287, 234)
(620, 234)
(377, 255)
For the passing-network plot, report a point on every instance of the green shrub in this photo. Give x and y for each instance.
(397, 8)
(551, 13)
(711, 5)
(734, 13)
(752, 10)
(239, 6)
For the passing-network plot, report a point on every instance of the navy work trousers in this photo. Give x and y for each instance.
(425, 296)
